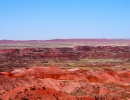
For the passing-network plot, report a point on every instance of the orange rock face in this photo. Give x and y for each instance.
(53, 83)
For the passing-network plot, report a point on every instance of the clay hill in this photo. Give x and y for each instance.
(53, 83)
(72, 69)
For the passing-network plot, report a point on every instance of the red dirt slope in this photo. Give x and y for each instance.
(53, 83)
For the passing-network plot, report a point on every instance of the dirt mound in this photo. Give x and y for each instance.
(36, 93)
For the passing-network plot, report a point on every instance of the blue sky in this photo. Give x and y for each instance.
(52, 19)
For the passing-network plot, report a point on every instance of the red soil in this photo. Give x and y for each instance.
(53, 83)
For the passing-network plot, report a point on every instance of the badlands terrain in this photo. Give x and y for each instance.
(65, 69)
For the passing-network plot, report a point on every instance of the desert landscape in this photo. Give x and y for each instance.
(64, 49)
(65, 69)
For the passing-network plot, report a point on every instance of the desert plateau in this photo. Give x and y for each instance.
(65, 69)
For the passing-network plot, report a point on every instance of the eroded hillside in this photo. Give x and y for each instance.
(67, 73)
(53, 83)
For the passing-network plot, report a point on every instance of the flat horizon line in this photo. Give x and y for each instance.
(66, 39)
